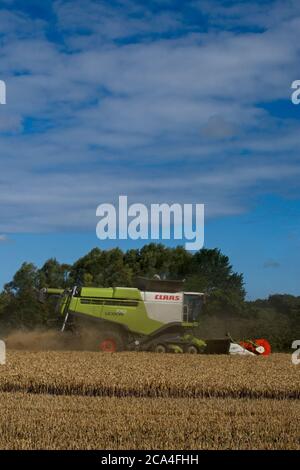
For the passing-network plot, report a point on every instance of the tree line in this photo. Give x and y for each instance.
(208, 270)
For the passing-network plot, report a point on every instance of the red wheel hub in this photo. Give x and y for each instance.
(108, 345)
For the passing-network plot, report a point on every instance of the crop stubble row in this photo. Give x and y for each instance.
(150, 375)
(62, 422)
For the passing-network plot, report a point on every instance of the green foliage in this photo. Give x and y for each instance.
(210, 271)
(101, 269)
(279, 317)
(19, 306)
(53, 274)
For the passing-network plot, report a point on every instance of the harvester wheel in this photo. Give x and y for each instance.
(191, 349)
(111, 341)
(160, 348)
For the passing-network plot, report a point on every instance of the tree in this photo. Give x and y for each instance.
(53, 274)
(25, 280)
(102, 269)
(154, 259)
(210, 271)
(22, 307)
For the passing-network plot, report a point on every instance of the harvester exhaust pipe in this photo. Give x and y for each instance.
(45, 291)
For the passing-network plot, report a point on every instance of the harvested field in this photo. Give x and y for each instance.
(85, 400)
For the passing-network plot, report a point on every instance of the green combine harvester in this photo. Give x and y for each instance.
(155, 316)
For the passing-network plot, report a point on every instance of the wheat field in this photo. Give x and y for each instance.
(86, 400)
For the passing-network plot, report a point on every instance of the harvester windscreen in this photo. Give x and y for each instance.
(193, 306)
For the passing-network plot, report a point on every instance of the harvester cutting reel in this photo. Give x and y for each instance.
(254, 347)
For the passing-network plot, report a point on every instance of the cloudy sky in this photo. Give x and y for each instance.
(163, 101)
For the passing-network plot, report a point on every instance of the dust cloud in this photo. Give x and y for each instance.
(52, 340)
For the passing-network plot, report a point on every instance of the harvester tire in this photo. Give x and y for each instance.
(191, 349)
(111, 341)
(160, 348)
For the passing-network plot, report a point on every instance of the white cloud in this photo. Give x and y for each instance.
(101, 21)
(247, 13)
(171, 118)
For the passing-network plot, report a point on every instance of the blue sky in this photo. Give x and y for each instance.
(164, 101)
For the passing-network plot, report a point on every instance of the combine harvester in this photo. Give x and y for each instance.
(155, 316)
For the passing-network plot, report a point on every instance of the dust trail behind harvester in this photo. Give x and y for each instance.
(36, 340)
(51, 340)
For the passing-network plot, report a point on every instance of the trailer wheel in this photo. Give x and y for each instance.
(191, 349)
(111, 341)
(159, 348)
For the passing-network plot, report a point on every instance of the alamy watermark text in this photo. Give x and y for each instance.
(2, 92)
(161, 221)
(296, 354)
(2, 352)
